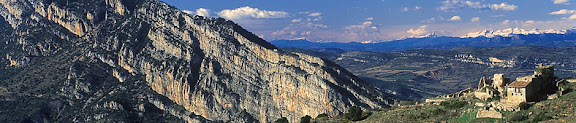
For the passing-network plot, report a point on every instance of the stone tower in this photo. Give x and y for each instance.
(482, 82)
(499, 82)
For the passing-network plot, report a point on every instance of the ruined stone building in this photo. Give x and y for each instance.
(533, 87)
(490, 88)
(523, 89)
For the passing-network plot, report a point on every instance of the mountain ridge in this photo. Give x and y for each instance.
(510, 32)
(441, 42)
(210, 67)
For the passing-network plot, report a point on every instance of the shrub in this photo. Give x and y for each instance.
(305, 119)
(518, 117)
(424, 114)
(354, 113)
(323, 115)
(496, 98)
(524, 106)
(282, 120)
(407, 103)
(454, 104)
(437, 112)
(540, 117)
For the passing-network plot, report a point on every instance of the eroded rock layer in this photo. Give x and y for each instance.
(210, 66)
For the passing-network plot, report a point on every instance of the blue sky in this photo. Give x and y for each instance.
(362, 20)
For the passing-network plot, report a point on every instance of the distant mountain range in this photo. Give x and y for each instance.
(510, 32)
(498, 38)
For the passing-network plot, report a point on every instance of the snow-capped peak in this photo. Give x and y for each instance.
(427, 35)
(509, 32)
(370, 42)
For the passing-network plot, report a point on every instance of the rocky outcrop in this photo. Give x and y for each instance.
(210, 66)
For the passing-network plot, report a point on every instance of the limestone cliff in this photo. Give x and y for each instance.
(210, 66)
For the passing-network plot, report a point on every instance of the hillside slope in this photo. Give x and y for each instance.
(120, 55)
(465, 109)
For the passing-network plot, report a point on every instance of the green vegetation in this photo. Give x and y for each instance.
(518, 116)
(426, 114)
(323, 115)
(467, 117)
(402, 68)
(524, 106)
(540, 116)
(495, 98)
(403, 76)
(282, 120)
(407, 102)
(463, 110)
(354, 113)
(305, 119)
(453, 104)
(486, 120)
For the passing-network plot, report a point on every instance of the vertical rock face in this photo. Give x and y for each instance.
(210, 66)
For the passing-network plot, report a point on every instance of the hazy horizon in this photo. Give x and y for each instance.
(344, 21)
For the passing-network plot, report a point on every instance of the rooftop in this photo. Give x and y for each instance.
(517, 84)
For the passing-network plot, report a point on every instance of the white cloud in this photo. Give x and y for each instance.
(297, 31)
(306, 12)
(367, 30)
(440, 19)
(430, 20)
(306, 26)
(418, 32)
(572, 17)
(496, 16)
(503, 6)
(296, 20)
(505, 22)
(475, 19)
(187, 11)
(415, 8)
(364, 25)
(203, 12)
(200, 12)
(563, 12)
(317, 19)
(434, 19)
(369, 19)
(308, 16)
(315, 14)
(565, 2)
(529, 22)
(405, 9)
(455, 18)
(455, 5)
(251, 13)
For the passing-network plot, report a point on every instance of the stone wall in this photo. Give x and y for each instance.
(488, 114)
